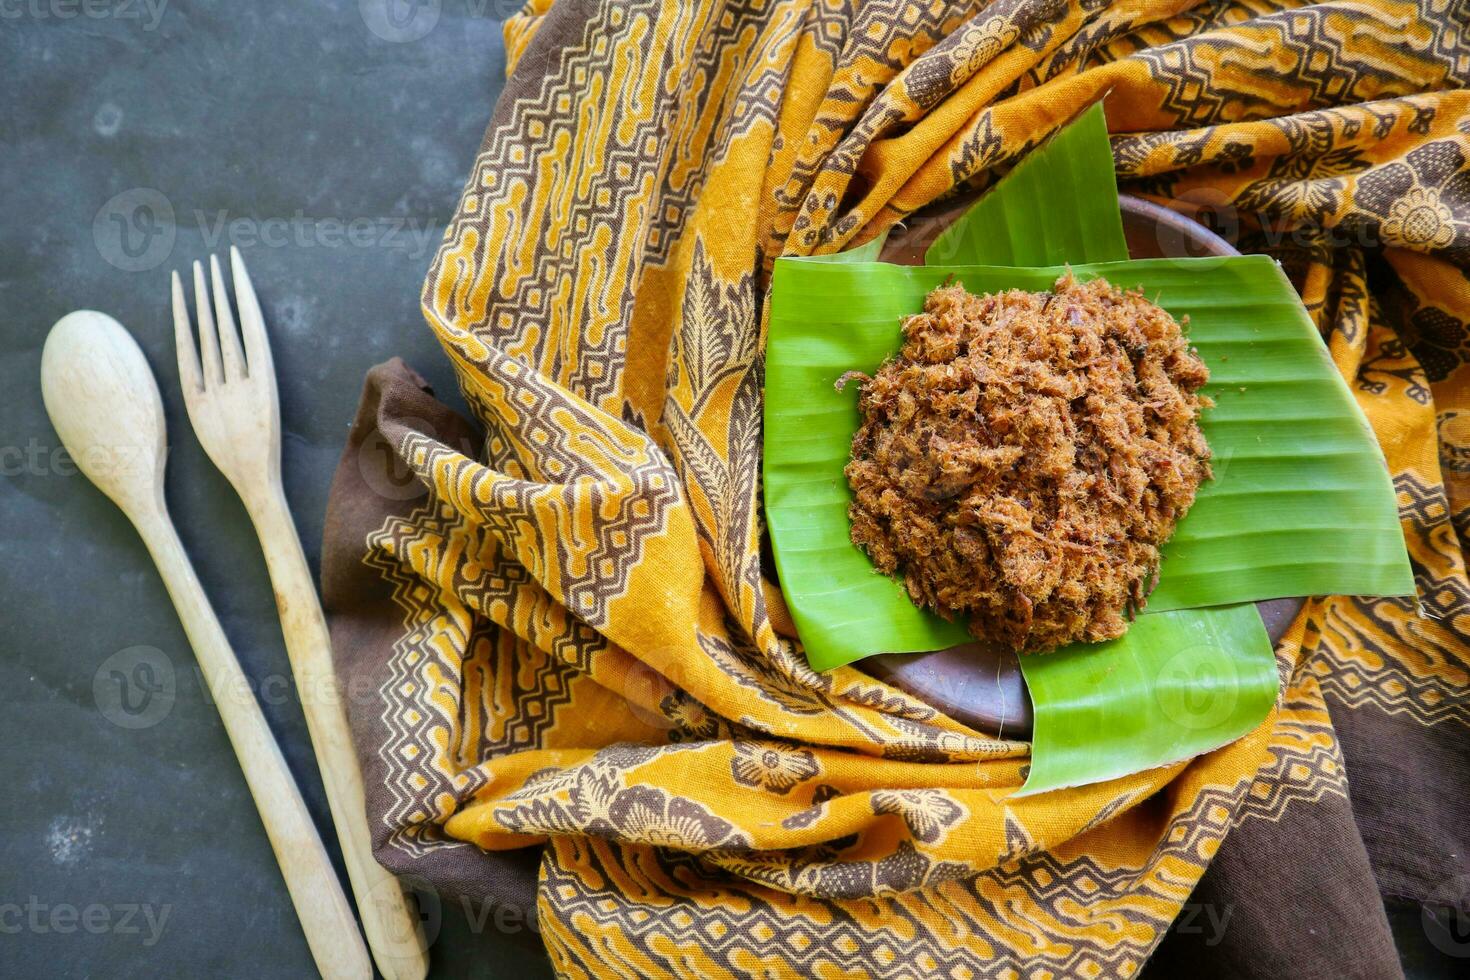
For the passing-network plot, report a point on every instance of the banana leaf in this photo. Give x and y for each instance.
(868, 251)
(1296, 471)
(1058, 205)
(1176, 685)
(1097, 710)
(1301, 502)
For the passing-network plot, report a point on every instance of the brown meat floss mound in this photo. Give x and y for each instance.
(1024, 456)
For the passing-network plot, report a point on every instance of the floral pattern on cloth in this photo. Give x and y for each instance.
(591, 656)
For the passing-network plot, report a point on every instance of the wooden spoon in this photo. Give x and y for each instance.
(105, 405)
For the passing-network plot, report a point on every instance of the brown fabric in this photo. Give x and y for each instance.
(1411, 802)
(573, 645)
(1287, 899)
(372, 486)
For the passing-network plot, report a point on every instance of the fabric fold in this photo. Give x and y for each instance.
(566, 657)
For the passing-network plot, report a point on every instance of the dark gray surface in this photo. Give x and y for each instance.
(288, 116)
(259, 112)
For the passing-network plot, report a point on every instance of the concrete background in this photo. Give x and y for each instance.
(136, 851)
(135, 137)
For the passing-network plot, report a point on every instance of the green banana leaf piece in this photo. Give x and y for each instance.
(1301, 503)
(1097, 709)
(1058, 205)
(868, 251)
(1176, 685)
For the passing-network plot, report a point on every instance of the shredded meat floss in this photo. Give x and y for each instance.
(1024, 456)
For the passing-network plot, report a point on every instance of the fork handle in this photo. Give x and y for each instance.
(321, 906)
(392, 927)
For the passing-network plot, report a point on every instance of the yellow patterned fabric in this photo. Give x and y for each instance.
(592, 656)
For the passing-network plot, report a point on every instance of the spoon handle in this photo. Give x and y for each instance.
(392, 926)
(325, 914)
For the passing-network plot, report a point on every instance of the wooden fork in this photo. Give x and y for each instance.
(231, 397)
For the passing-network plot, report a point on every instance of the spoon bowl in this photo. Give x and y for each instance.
(104, 403)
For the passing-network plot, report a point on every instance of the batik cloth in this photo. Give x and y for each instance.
(575, 680)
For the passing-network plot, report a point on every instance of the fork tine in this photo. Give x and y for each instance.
(184, 341)
(229, 337)
(208, 339)
(252, 324)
